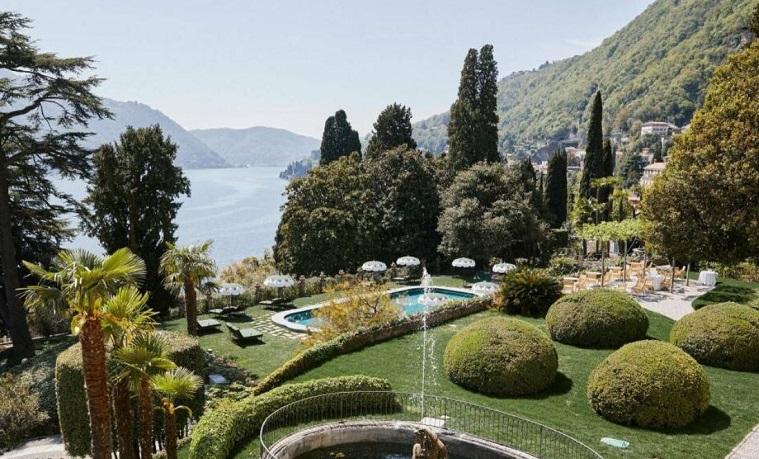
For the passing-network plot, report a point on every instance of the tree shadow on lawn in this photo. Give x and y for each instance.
(713, 420)
(725, 293)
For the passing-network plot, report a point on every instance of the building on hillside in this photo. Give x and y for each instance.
(650, 172)
(659, 128)
(540, 168)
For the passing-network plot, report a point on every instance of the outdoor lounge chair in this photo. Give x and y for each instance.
(243, 335)
(272, 302)
(207, 325)
(229, 310)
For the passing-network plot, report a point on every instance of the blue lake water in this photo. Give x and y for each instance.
(238, 208)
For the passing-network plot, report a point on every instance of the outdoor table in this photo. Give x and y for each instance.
(593, 274)
(708, 278)
(656, 280)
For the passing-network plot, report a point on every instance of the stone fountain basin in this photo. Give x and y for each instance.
(352, 432)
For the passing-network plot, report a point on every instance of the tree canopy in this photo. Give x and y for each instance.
(392, 129)
(555, 194)
(338, 139)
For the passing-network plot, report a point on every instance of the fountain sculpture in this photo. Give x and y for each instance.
(428, 446)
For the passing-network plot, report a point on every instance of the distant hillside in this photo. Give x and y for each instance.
(259, 146)
(191, 154)
(655, 68)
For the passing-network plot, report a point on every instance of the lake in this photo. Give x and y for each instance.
(239, 209)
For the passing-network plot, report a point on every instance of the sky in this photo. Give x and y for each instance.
(290, 64)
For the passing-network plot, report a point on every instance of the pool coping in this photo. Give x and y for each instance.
(279, 318)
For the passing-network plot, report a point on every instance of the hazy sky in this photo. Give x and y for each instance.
(290, 64)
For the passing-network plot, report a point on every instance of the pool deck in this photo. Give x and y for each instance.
(280, 318)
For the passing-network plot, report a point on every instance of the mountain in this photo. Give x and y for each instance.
(191, 152)
(655, 68)
(259, 146)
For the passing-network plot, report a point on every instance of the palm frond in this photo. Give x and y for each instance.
(179, 383)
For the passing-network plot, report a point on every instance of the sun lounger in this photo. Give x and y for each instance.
(272, 302)
(245, 334)
(208, 325)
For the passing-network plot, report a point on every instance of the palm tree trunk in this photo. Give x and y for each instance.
(96, 386)
(170, 423)
(146, 419)
(11, 310)
(122, 409)
(191, 312)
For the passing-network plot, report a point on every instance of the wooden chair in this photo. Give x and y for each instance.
(243, 335)
(569, 285)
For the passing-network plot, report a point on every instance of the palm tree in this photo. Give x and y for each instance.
(82, 282)
(184, 268)
(179, 383)
(142, 359)
(130, 317)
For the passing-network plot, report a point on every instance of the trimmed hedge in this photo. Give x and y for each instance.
(723, 335)
(649, 384)
(72, 401)
(501, 356)
(598, 318)
(528, 292)
(233, 421)
(317, 354)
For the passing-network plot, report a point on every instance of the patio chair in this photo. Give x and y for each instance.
(243, 335)
(569, 285)
(207, 325)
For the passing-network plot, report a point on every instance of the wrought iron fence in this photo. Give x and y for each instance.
(458, 416)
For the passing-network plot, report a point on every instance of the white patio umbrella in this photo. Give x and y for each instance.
(374, 267)
(485, 287)
(502, 268)
(230, 290)
(279, 282)
(463, 263)
(407, 261)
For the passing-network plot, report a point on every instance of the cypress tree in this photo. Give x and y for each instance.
(392, 129)
(487, 100)
(556, 188)
(462, 127)
(593, 165)
(339, 139)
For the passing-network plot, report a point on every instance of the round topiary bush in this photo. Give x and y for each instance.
(501, 356)
(528, 292)
(722, 335)
(649, 384)
(598, 318)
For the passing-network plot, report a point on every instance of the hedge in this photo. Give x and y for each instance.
(352, 341)
(234, 421)
(599, 318)
(723, 335)
(72, 402)
(501, 356)
(649, 384)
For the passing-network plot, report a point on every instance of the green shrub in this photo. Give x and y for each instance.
(72, 402)
(563, 265)
(234, 421)
(501, 356)
(20, 416)
(528, 292)
(722, 335)
(649, 384)
(319, 353)
(598, 318)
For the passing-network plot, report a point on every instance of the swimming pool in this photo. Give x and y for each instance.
(407, 298)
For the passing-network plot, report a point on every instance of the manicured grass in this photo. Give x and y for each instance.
(564, 406)
(730, 290)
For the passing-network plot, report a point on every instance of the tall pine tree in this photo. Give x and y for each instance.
(593, 164)
(392, 129)
(339, 139)
(462, 128)
(556, 188)
(487, 84)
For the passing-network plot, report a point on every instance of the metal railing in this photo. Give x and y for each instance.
(458, 416)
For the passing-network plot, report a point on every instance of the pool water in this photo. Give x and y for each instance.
(364, 451)
(408, 300)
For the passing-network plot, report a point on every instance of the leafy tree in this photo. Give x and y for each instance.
(487, 213)
(44, 102)
(631, 169)
(593, 164)
(83, 282)
(177, 384)
(184, 269)
(702, 207)
(463, 132)
(144, 357)
(392, 129)
(487, 109)
(556, 188)
(407, 204)
(339, 139)
(329, 221)
(133, 198)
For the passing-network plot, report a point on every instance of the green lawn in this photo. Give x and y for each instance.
(733, 413)
(730, 290)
